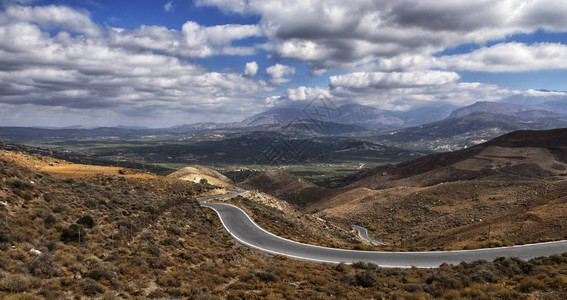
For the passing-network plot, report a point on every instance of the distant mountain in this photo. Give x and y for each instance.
(203, 126)
(505, 109)
(274, 116)
(489, 107)
(356, 114)
(426, 114)
(555, 101)
(471, 129)
(368, 116)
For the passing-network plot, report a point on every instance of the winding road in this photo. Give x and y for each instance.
(246, 231)
(363, 234)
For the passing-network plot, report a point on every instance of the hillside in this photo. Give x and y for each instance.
(196, 173)
(510, 190)
(287, 187)
(465, 131)
(521, 154)
(110, 235)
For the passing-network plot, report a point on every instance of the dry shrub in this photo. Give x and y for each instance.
(365, 278)
(90, 287)
(17, 283)
(530, 284)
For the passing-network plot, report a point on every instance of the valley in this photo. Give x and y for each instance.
(505, 191)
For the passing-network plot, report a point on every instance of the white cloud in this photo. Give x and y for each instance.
(169, 6)
(251, 69)
(203, 41)
(193, 40)
(278, 71)
(345, 34)
(52, 16)
(129, 76)
(303, 93)
(509, 57)
(382, 80)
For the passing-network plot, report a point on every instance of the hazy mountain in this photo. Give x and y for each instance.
(355, 114)
(489, 107)
(426, 114)
(471, 129)
(368, 116)
(274, 116)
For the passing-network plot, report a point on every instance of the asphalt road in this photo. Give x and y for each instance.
(363, 233)
(246, 231)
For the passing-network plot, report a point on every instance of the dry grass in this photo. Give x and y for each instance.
(150, 239)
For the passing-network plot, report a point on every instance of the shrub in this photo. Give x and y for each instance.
(168, 281)
(90, 287)
(73, 233)
(265, 276)
(203, 181)
(530, 284)
(18, 283)
(364, 265)
(5, 234)
(50, 220)
(365, 278)
(43, 266)
(86, 221)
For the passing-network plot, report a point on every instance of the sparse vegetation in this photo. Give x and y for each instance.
(151, 239)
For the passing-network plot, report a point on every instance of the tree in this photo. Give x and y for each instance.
(86, 221)
(73, 233)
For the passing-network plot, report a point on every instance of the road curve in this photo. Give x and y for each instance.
(246, 231)
(363, 234)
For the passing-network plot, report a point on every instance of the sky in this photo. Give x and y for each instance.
(162, 63)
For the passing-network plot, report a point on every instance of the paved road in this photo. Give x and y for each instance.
(363, 233)
(244, 230)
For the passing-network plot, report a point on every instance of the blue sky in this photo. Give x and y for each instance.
(161, 63)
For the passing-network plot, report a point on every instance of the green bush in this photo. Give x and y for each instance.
(73, 233)
(203, 181)
(86, 221)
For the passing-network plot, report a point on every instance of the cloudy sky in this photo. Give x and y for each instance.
(161, 63)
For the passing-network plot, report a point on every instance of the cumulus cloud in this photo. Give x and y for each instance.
(509, 57)
(278, 71)
(54, 17)
(382, 80)
(339, 34)
(193, 40)
(502, 57)
(123, 74)
(251, 69)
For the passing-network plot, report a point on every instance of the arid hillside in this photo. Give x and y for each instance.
(520, 155)
(511, 190)
(113, 234)
(292, 189)
(197, 173)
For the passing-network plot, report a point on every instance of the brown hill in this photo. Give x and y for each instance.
(510, 189)
(195, 173)
(522, 155)
(288, 187)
